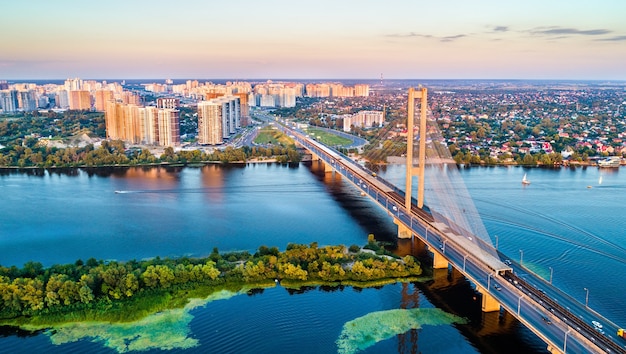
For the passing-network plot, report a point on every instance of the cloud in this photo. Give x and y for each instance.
(560, 31)
(452, 38)
(501, 29)
(612, 39)
(408, 35)
(429, 36)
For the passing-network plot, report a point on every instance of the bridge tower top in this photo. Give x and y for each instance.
(422, 94)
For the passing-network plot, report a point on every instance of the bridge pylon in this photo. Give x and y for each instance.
(411, 170)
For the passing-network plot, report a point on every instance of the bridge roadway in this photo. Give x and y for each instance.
(559, 320)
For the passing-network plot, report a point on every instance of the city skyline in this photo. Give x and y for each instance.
(341, 40)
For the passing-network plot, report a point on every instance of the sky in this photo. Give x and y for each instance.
(321, 39)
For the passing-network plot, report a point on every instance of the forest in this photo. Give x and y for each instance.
(124, 291)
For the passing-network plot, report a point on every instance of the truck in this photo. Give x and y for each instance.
(621, 333)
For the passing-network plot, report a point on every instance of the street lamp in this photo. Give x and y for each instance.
(551, 270)
(519, 304)
(586, 298)
(489, 282)
(565, 341)
(443, 248)
(464, 258)
(496, 242)
(521, 257)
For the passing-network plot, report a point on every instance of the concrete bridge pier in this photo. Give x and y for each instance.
(327, 167)
(439, 261)
(554, 350)
(403, 231)
(489, 303)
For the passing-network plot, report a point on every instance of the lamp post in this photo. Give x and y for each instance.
(587, 298)
(519, 305)
(496, 242)
(565, 341)
(521, 257)
(443, 248)
(464, 258)
(489, 282)
(551, 270)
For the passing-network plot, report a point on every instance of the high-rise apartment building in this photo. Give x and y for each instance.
(8, 101)
(80, 100)
(27, 100)
(62, 99)
(366, 119)
(142, 125)
(168, 127)
(75, 84)
(168, 102)
(218, 119)
(361, 90)
(102, 96)
(210, 123)
(245, 109)
(149, 119)
(130, 98)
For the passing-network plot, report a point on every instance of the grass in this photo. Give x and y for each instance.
(272, 136)
(328, 138)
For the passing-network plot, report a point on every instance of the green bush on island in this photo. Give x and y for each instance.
(124, 291)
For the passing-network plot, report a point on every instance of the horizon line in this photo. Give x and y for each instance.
(312, 79)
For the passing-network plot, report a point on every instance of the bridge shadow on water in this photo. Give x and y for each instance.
(449, 290)
(370, 218)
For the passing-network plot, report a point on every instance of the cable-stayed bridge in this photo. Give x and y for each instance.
(452, 230)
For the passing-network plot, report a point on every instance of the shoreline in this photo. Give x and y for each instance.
(273, 160)
(160, 164)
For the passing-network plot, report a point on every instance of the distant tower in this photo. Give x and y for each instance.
(381, 79)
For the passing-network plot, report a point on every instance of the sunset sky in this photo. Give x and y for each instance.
(330, 39)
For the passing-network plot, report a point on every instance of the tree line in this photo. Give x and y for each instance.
(94, 285)
(114, 152)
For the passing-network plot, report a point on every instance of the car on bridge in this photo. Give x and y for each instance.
(546, 320)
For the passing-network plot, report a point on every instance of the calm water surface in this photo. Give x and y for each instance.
(558, 222)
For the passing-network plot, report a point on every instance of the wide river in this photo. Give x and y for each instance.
(570, 220)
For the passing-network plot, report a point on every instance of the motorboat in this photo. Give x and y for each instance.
(609, 162)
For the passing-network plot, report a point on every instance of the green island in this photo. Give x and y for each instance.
(35, 297)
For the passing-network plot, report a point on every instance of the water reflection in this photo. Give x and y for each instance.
(212, 177)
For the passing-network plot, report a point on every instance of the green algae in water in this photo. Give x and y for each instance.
(374, 327)
(164, 330)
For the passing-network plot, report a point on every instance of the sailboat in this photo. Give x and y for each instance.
(600, 180)
(525, 181)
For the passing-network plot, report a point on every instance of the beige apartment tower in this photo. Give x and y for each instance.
(210, 122)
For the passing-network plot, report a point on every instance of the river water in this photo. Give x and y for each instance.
(566, 219)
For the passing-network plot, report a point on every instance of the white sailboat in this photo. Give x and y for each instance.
(600, 180)
(525, 180)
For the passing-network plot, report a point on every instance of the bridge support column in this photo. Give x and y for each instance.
(554, 350)
(327, 167)
(489, 303)
(439, 261)
(403, 231)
